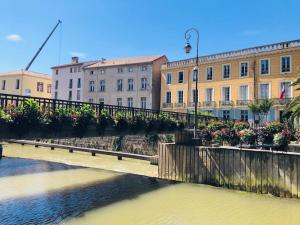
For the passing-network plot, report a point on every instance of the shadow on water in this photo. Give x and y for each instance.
(16, 166)
(53, 207)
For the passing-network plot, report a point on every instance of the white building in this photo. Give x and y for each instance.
(132, 82)
(67, 80)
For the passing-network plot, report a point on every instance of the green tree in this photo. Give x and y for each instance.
(260, 108)
(293, 109)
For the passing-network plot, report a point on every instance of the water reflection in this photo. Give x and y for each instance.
(51, 207)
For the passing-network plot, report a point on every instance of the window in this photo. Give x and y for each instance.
(79, 69)
(71, 70)
(120, 70)
(91, 86)
(144, 83)
(119, 85)
(55, 95)
(244, 92)
(79, 83)
(70, 96)
(226, 94)
(195, 96)
(3, 84)
(244, 69)
(130, 69)
(102, 86)
(285, 64)
(102, 71)
(49, 88)
(209, 94)
(71, 83)
(226, 114)
(40, 86)
(18, 84)
(91, 100)
(75, 69)
(78, 95)
(285, 89)
(144, 68)
(101, 100)
(56, 72)
(180, 96)
(169, 78)
(226, 71)
(143, 102)
(119, 101)
(264, 91)
(56, 84)
(130, 102)
(130, 84)
(195, 74)
(180, 77)
(209, 73)
(264, 66)
(244, 115)
(92, 72)
(168, 97)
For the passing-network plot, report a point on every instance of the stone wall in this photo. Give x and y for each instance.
(138, 144)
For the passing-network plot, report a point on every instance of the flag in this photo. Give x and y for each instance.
(282, 93)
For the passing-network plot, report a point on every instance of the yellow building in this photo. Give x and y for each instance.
(228, 81)
(22, 82)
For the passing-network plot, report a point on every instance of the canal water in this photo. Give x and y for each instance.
(35, 191)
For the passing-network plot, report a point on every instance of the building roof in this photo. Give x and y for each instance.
(26, 72)
(236, 53)
(87, 63)
(124, 61)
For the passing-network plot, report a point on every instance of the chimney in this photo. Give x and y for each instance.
(75, 59)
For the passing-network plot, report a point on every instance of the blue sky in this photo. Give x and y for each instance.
(123, 28)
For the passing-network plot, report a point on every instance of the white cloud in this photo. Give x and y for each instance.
(78, 54)
(14, 37)
(250, 32)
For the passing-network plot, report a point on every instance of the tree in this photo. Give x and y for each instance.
(294, 107)
(260, 108)
(254, 108)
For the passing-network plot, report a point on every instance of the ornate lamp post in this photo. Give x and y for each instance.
(188, 49)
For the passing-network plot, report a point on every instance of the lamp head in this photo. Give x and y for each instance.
(187, 47)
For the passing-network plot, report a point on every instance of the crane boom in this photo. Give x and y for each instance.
(40, 49)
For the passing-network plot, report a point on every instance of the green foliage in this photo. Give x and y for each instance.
(238, 126)
(216, 125)
(294, 107)
(104, 121)
(264, 136)
(59, 119)
(121, 123)
(136, 123)
(282, 139)
(275, 127)
(82, 118)
(247, 136)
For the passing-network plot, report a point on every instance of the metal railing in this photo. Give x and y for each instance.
(226, 103)
(7, 100)
(167, 105)
(243, 102)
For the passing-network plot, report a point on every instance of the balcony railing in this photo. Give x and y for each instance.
(192, 104)
(167, 105)
(226, 103)
(243, 102)
(179, 105)
(283, 101)
(209, 104)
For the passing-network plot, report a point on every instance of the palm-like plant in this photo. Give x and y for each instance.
(260, 108)
(294, 107)
(254, 108)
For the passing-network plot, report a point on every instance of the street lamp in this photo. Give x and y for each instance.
(188, 49)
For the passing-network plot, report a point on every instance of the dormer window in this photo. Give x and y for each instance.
(92, 72)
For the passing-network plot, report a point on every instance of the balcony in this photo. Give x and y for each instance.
(226, 103)
(243, 102)
(179, 105)
(167, 105)
(279, 102)
(209, 104)
(192, 104)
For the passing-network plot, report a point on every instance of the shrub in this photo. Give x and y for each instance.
(247, 136)
(204, 136)
(166, 123)
(5, 118)
(238, 126)
(104, 121)
(282, 139)
(121, 123)
(82, 118)
(230, 136)
(26, 117)
(136, 123)
(264, 136)
(59, 119)
(275, 127)
(216, 125)
(217, 137)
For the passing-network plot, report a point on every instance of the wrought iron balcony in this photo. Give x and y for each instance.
(209, 104)
(283, 101)
(192, 104)
(179, 105)
(167, 105)
(226, 103)
(243, 102)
